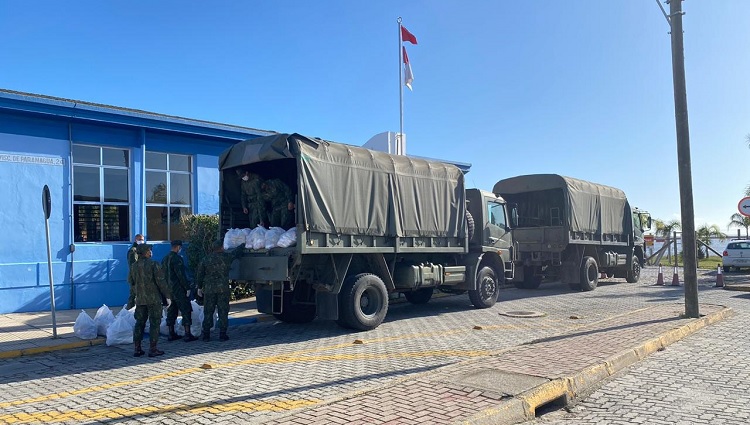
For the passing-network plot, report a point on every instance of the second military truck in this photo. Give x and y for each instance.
(573, 230)
(369, 224)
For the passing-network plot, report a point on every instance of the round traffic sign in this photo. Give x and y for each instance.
(744, 206)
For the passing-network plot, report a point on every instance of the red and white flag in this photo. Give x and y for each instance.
(408, 76)
(407, 36)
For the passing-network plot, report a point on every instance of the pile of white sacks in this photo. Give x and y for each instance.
(119, 329)
(260, 238)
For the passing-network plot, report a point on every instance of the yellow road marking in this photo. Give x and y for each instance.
(181, 409)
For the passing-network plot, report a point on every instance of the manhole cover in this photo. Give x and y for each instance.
(523, 314)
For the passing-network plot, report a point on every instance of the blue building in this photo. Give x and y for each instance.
(112, 173)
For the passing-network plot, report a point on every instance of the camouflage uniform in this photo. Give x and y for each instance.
(212, 278)
(174, 273)
(278, 195)
(132, 258)
(252, 200)
(147, 280)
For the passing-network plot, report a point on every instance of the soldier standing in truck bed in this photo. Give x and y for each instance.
(250, 197)
(280, 203)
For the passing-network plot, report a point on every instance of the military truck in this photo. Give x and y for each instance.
(369, 225)
(573, 230)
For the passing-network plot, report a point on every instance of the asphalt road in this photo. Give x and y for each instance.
(270, 369)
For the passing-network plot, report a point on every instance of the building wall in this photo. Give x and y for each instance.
(35, 150)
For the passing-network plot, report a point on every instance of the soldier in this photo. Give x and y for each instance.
(252, 203)
(132, 258)
(281, 203)
(174, 273)
(212, 279)
(150, 288)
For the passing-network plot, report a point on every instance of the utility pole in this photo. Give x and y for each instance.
(690, 264)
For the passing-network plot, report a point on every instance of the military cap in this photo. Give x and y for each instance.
(177, 242)
(143, 248)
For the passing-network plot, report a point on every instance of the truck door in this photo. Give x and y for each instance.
(497, 232)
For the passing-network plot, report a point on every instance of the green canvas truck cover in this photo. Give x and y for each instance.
(351, 190)
(587, 207)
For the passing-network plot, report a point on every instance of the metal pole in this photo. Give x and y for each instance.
(400, 87)
(51, 283)
(689, 247)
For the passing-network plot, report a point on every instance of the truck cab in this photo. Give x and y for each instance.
(490, 223)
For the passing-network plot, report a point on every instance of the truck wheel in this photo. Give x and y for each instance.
(420, 296)
(635, 272)
(589, 274)
(485, 296)
(363, 302)
(530, 281)
(469, 224)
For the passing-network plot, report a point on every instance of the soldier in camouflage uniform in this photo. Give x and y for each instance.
(212, 279)
(132, 258)
(148, 282)
(252, 202)
(281, 203)
(174, 273)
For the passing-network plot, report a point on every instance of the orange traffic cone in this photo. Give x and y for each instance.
(660, 279)
(675, 278)
(719, 278)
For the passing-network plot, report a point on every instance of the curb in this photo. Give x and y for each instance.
(39, 350)
(523, 407)
(740, 288)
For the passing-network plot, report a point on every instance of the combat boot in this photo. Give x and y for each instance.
(223, 336)
(138, 350)
(206, 335)
(153, 351)
(188, 335)
(172, 334)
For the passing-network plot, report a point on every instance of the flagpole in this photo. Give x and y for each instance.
(400, 88)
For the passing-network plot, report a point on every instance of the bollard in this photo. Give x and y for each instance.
(675, 278)
(719, 278)
(660, 279)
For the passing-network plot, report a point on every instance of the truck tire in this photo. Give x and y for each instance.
(295, 313)
(420, 296)
(485, 296)
(363, 302)
(589, 274)
(530, 281)
(470, 225)
(635, 272)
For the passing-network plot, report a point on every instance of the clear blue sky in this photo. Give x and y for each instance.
(581, 88)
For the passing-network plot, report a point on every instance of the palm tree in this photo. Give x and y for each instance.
(704, 234)
(739, 220)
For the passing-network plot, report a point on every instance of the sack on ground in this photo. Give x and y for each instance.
(103, 319)
(84, 327)
(196, 316)
(289, 238)
(120, 332)
(272, 236)
(129, 315)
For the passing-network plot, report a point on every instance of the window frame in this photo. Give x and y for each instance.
(168, 204)
(101, 203)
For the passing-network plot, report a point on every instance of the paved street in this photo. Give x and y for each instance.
(272, 372)
(703, 379)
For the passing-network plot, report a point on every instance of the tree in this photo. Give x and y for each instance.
(739, 220)
(704, 234)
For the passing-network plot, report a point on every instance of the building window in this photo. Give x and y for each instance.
(101, 195)
(168, 194)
